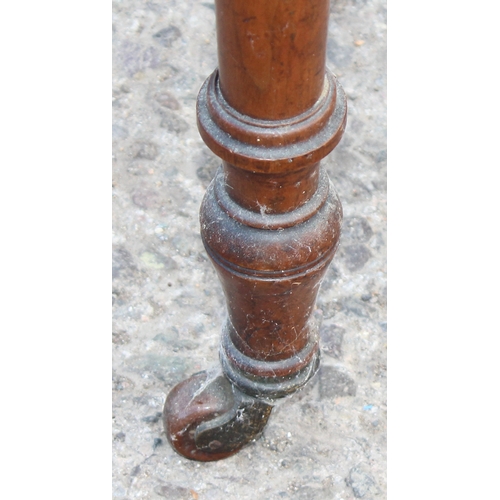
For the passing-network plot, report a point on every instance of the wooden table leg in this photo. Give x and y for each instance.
(270, 220)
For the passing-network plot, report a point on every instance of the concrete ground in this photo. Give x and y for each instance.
(327, 441)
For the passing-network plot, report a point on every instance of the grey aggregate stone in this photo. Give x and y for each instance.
(135, 57)
(339, 56)
(121, 383)
(206, 172)
(309, 493)
(381, 156)
(119, 132)
(173, 123)
(120, 436)
(361, 482)
(146, 198)
(152, 419)
(122, 262)
(167, 36)
(356, 256)
(120, 338)
(331, 339)
(140, 167)
(334, 382)
(209, 5)
(359, 308)
(145, 150)
(164, 368)
(167, 100)
(356, 229)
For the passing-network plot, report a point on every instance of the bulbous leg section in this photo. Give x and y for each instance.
(206, 418)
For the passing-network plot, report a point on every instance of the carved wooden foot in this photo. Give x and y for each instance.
(270, 220)
(206, 418)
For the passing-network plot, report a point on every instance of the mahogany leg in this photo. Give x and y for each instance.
(270, 219)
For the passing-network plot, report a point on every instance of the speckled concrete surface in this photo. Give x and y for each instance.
(327, 441)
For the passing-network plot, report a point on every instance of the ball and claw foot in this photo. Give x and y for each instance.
(207, 418)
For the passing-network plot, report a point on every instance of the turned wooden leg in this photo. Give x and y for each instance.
(270, 220)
